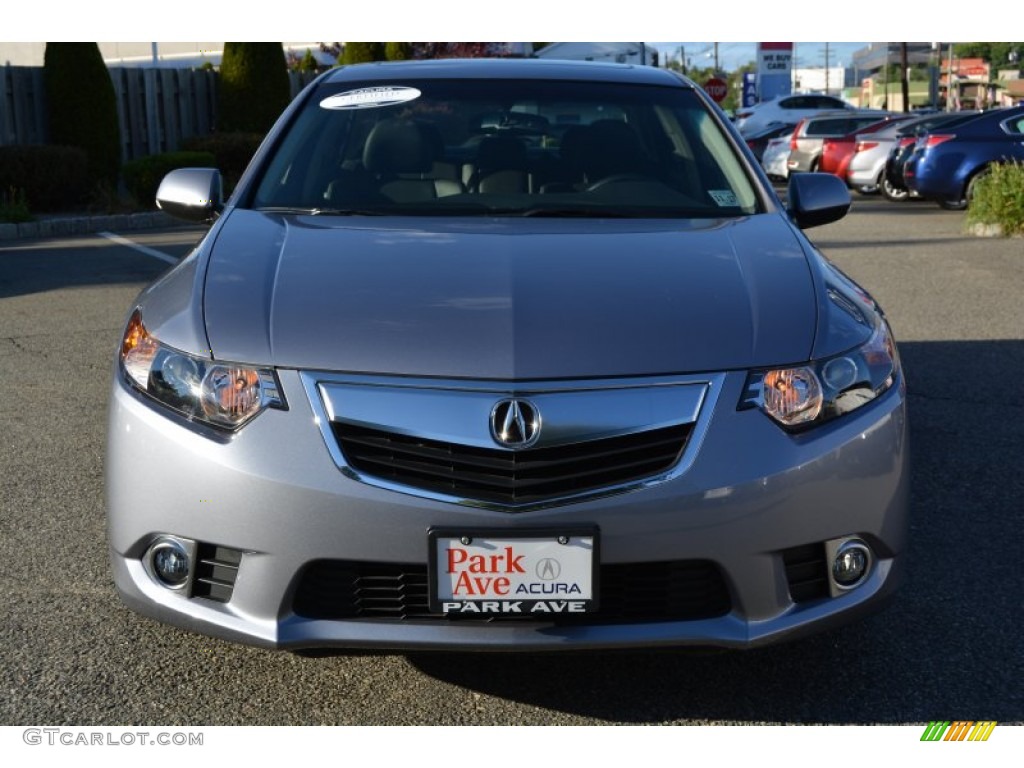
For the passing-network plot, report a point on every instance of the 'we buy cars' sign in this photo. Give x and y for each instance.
(774, 63)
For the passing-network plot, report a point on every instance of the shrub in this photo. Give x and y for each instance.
(357, 53)
(143, 176)
(13, 206)
(231, 152)
(397, 51)
(997, 197)
(308, 63)
(253, 89)
(51, 178)
(82, 106)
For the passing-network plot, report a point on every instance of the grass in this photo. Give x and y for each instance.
(14, 206)
(998, 199)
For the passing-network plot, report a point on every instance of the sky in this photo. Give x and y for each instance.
(647, 20)
(733, 55)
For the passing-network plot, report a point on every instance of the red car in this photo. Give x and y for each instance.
(837, 152)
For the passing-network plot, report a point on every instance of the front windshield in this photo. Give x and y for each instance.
(507, 148)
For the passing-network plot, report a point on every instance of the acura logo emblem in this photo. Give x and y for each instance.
(515, 423)
(548, 569)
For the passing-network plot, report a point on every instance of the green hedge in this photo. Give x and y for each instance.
(51, 178)
(358, 53)
(82, 106)
(997, 197)
(397, 51)
(142, 177)
(231, 152)
(253, 87)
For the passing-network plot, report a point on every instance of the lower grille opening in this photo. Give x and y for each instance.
(216, 572)
(631, 593)
(806, 572)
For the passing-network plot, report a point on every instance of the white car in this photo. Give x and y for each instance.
(786, 109)
(776, 158)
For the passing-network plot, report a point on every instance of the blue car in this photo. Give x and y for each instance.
(946, 165)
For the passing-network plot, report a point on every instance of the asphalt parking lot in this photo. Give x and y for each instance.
(948, 648)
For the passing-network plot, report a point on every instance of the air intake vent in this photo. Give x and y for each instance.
(806, 572)
(629, 593)
(216, 571)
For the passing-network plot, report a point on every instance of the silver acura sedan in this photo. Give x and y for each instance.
(505, 355)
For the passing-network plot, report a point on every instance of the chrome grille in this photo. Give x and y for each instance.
(510, 477)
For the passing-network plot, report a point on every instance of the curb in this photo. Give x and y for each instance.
(86, 225)
(979, 229)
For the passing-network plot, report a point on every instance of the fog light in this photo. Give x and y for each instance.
(850, 564)
(170, 563)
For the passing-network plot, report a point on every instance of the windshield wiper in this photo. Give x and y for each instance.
(298, 211)
(562, 213)
(345, 212)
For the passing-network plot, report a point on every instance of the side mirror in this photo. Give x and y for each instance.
(817, 198)
(193, 194)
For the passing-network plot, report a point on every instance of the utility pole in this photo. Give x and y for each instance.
(949, 81)
(716, 59)
(826, 68)
(904, 84)
(885, 78)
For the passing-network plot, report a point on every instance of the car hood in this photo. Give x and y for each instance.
(508, 298)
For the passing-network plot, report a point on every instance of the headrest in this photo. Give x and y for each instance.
(501, 153)
(397, 146)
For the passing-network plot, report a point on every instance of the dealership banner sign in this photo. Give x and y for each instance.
(774, 70)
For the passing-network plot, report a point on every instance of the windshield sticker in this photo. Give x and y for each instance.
(366, 98)
(725, 198)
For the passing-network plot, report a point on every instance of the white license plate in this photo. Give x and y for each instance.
(543, 574)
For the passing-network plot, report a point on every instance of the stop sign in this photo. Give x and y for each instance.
(716, 88)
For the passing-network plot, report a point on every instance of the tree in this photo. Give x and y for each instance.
(397, 51)
(453, 50)
(734, 96)
(83, 107)
(999, 55)
(357, 53)
(254, 87)
(306, 62)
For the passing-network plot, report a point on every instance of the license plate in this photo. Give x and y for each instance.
(539, 573)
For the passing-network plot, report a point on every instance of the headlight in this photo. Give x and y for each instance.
(811, 394)
(222, 395)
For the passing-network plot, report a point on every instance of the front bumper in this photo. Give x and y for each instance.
(274, 493)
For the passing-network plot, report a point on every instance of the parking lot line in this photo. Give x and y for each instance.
(140, 248)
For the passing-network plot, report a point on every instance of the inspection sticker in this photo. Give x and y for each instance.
(725, 198)
(366, 98)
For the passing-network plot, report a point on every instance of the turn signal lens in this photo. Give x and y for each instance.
(138, 349)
